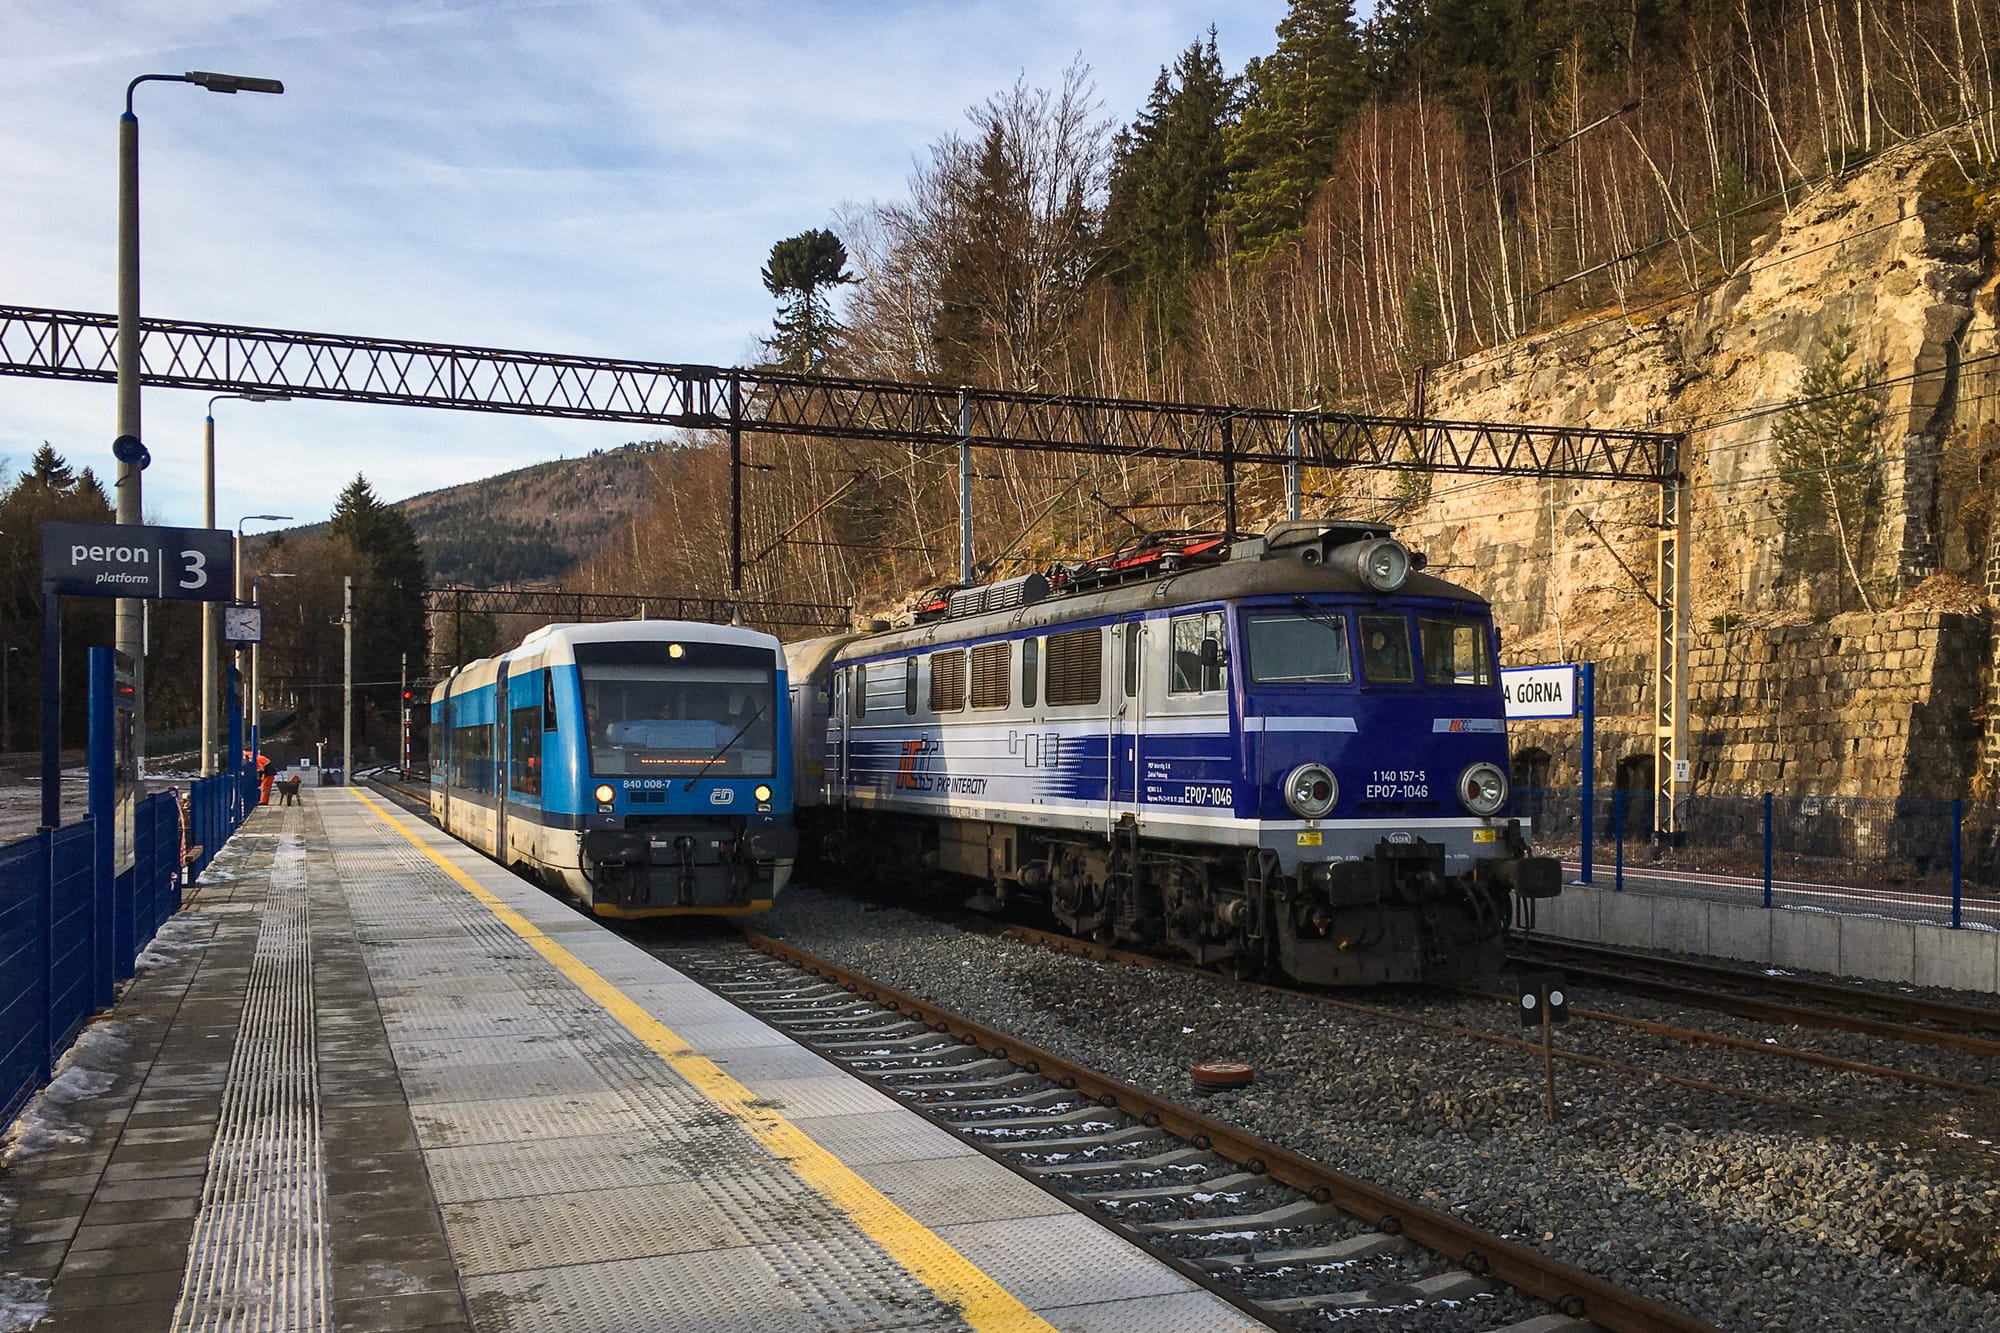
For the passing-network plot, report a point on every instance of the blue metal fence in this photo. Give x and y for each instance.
(64, 920)
(1917, 860)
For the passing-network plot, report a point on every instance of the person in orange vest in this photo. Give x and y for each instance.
(264, 776)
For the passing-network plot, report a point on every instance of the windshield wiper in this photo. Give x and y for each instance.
(1334, 624)
(716, 758)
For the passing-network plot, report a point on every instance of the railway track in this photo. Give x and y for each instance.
(1285, 1238)
(1808, 1003)
(1687, 1036)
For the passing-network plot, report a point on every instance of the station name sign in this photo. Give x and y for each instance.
(1539, 691)
(133, 560)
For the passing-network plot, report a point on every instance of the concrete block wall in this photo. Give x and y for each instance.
(1849, 946)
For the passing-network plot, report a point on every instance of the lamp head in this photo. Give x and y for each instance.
(231, 83)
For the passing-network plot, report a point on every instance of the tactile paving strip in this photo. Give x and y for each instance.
(257, 1259)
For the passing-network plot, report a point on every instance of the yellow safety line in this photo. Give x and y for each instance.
(958, 1282)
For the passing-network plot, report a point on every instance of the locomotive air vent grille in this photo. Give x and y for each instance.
(948, 681)
(990, 663)
(1076, 667)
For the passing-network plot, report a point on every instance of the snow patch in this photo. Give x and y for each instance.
(24, 1303)
(87, 1069)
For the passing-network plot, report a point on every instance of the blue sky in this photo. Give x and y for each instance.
(573, 177)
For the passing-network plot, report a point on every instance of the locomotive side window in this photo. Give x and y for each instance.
(909, 685)
(1076, 668)
(1299, 650)
(1454, 652)
(857, 691)
(548, 700)
(990, 663)
(1131, 659)
(948, 681)
(1385, 651)
(1197, 654)
(1031, 667)
(524, 754)
(472, 757)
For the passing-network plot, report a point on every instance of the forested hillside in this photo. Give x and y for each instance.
(1329, 227)
(532, 525)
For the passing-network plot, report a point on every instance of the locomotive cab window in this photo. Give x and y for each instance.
(990, 663)
(1302, 649)
(1197, 659)
(1385, 651)
(1455, 652)
(948, 681)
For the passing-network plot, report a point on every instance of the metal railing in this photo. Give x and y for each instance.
(1911, 860)
(70, 929)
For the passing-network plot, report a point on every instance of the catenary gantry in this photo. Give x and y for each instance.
(185, 354)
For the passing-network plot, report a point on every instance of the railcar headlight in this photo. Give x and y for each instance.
(1311, 791)
(1483, 788)
(762, 792)
(605, 793)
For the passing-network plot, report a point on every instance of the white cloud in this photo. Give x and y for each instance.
(588, 177)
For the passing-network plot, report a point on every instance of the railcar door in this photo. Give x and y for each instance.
(502, 765)
(441, 753)
(1128, 715)
(838, 767)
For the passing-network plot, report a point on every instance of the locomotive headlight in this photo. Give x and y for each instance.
(1311, 791)
(1483, 788)
(763, 793)
(605, 793)
(1384, 564)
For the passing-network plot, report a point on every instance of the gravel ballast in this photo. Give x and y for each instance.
(1883, 1214)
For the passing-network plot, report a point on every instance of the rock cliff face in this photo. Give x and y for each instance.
(1798, 682)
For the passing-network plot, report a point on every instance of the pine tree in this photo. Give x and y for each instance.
(1297, 101)
(800, 267)
(1168, 183)
(1831, 469)
(389, 597)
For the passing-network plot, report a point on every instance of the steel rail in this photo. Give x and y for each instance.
(1851, 997)
(1570, 1290)
(1773, 1011)
(1691, 1036)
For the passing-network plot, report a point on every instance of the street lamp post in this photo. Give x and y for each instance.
(6, 702)
(211, 613)
(256, 668)
(130, 636)
(251, 518)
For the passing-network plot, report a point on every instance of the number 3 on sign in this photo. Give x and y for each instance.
(196, 575)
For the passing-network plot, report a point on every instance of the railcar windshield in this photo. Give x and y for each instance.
(1307, 648)
(665, 710)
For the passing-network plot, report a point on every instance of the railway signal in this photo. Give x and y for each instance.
(1544, 1001)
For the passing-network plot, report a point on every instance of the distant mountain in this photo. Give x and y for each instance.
(532, 525)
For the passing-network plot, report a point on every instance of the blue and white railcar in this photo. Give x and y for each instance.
(1292, 755)
(644, 767)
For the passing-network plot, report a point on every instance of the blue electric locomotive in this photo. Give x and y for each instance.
(643, 767)
(1284, 752)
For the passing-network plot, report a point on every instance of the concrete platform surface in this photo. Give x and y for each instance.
(367, 1080)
